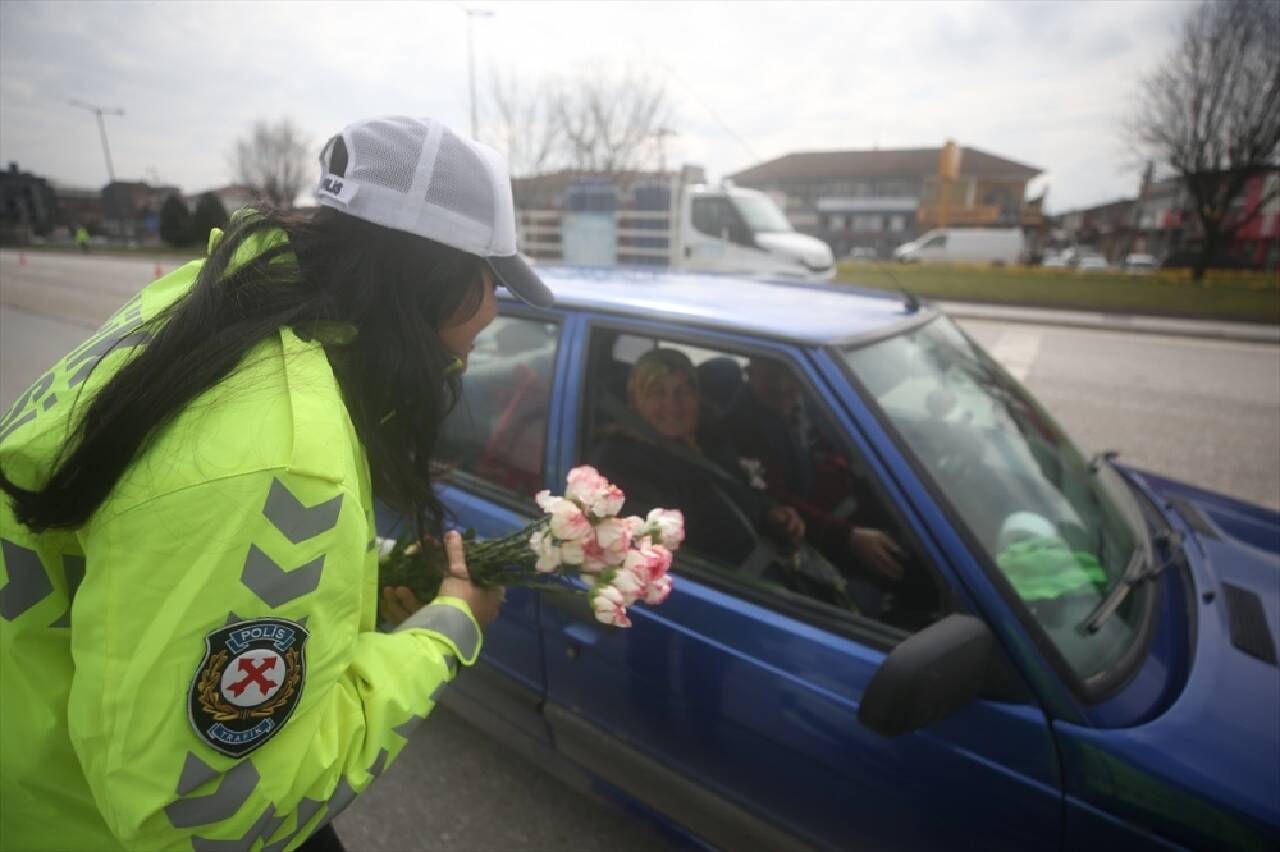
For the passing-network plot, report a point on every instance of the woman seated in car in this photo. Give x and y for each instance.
(662, 459)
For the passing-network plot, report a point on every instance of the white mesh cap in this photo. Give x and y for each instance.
(417, 175)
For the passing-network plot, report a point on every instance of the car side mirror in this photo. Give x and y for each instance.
(929, 676)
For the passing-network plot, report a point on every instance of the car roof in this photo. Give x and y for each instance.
(805, 312)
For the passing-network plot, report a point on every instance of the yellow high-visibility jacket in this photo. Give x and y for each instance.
(199, 662)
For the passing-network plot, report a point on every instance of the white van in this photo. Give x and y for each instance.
(965, 245)
(730, 229)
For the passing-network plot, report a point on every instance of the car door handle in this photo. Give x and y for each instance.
(581, 634)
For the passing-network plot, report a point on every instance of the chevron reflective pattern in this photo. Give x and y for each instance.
(298, 522)
(276, 586)
(28, 582)
(222, 803)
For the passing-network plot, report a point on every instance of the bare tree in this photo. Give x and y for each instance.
(523, 124)
(595, 121)
(611, 120)
(272, 161)
(1211, 112)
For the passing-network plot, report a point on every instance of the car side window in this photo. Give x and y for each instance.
(776, 504)
(498, 430)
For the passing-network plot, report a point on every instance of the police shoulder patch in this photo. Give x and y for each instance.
(248, 683)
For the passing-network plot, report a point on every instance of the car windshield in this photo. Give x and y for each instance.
(1063, 532)
(760, 213)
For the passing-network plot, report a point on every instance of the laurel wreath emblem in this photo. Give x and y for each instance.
(209, 692)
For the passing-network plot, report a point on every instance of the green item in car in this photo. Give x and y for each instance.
(1045, 568)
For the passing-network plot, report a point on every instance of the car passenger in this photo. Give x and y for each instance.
(769, 423)
(662, 459)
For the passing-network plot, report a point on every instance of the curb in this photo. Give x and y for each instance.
(1128, 323)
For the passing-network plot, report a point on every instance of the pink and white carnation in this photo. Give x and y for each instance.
(614, 537)
(608, 502)
(568, 521)
(594, 556)
(572, 552)
(609, 606)
(631, 584)
(648, 561)
(668, 527)
(549, 557)
(584, 483)
(657, 591)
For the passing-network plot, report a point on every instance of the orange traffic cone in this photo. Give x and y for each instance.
(159, 271)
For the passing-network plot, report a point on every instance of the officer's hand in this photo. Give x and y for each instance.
(484, 603)
(877, 551)
(787, 522)
(398, 603)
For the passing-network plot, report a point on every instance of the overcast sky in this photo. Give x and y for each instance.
(1044, 83)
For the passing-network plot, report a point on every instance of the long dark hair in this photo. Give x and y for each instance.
(396, 289)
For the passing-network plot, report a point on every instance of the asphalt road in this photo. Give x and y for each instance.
(1203, 410)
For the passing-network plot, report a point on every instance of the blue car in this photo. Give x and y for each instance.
(1062, 652)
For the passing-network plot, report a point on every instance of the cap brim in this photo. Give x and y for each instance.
(518, 277)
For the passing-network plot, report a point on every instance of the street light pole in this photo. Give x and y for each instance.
(471, 58)
(102, 130)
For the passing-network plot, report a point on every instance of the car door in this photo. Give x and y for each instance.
(732, 707)
(494, 444)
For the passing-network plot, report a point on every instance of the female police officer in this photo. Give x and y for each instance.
(189, 595)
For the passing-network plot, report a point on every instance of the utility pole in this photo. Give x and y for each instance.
(471, 57)
(102, 130)
(662, 134)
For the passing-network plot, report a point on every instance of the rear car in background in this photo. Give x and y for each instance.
(1078, 654)
(1001, 246)
(1140, 264)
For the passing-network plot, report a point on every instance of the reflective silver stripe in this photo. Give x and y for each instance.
(7, 428)
(102, 349)
(450, 622)
(306, 810)
(275, 585)
(73, 566)
(296, 521)
(342, 796)
(266, 826)
(28, 582)
(232, 618)
(379, 763)
(230, 796)
(408, 727)
(195, 772)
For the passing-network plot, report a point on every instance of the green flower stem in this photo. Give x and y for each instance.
(506, 561)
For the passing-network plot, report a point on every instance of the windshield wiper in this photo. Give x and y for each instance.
(1106, 458)
(1134, 578)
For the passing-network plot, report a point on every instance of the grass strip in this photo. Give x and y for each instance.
(1223, 295)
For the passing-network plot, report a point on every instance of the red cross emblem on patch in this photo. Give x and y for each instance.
(248, 683)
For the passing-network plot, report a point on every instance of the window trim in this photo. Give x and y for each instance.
(859, 628)
(473, 483)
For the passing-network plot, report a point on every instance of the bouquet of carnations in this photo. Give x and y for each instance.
(621, 560)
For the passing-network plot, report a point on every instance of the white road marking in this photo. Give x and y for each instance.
(1017, 351)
